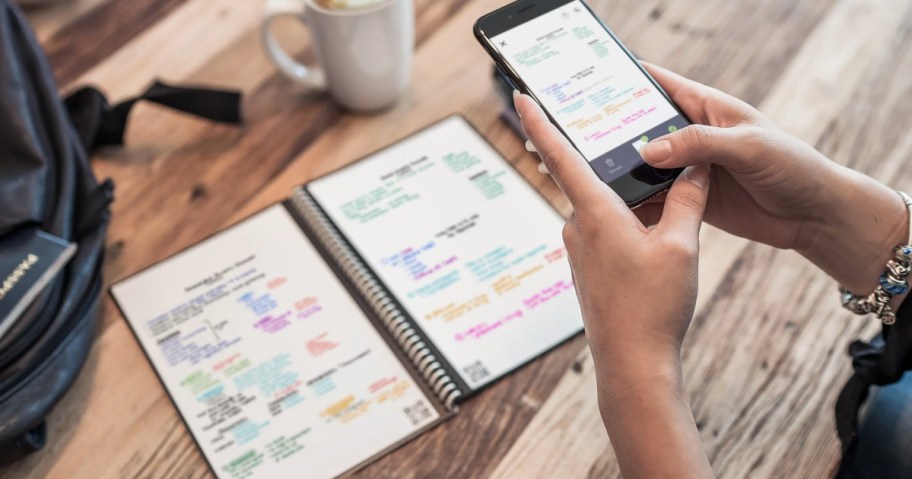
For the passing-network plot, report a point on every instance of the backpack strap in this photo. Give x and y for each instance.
(98, 123)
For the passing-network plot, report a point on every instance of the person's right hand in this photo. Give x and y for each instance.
(771, 187)
(767, 185)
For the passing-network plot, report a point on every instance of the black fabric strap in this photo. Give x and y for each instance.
(99, 124)
(881, 361)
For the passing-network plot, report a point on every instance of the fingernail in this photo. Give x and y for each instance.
(530, 146)
(656, 152)
(515, 106)
(698, 175)
(543, 169)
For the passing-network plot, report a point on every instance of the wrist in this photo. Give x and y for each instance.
(651, 427)
(623, 380)
(861, 226)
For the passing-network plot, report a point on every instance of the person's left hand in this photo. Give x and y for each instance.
(637, 285)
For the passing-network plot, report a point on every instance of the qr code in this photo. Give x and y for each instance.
(476, 372)
(417, 412)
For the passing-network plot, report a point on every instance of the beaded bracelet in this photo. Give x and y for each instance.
(893, 282)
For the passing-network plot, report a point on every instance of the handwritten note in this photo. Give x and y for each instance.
(273, 365)
(391, 195)
(477, 260)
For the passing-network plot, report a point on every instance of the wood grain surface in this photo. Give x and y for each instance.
(765, 356)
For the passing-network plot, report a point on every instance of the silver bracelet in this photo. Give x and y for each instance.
(893, 282)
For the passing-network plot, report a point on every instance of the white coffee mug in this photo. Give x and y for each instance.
(364, 55)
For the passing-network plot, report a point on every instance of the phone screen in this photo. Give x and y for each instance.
(589, 85)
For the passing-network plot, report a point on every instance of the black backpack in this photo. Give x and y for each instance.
(46, 181)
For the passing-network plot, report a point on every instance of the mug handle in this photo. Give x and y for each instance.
(308, 75)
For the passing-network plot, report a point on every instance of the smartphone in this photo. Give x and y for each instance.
(591, 87)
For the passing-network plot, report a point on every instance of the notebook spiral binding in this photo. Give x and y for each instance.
(378, 297)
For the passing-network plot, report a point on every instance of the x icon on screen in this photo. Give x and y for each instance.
(503, 44)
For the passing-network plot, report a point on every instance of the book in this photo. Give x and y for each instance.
(324, 331)
(29, 260)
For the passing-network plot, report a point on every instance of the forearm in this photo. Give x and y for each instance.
(651, 426)
(864, 222)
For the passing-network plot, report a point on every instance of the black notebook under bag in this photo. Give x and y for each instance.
(46, 182)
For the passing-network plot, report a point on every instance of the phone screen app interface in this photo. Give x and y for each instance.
(603, 102)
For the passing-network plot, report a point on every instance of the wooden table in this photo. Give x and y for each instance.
(765, 355)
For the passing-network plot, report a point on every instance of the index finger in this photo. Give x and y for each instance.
(569, 169)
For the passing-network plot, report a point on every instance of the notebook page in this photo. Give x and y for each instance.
(275, 369)
(469, 249)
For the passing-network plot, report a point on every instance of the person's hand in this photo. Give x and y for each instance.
(636, 285)
(637, 288)
(770, 187)
(767, 185)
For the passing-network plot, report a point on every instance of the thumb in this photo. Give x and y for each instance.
(699, 144)
(686, 202)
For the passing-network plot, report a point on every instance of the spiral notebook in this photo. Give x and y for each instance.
(322, 332)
